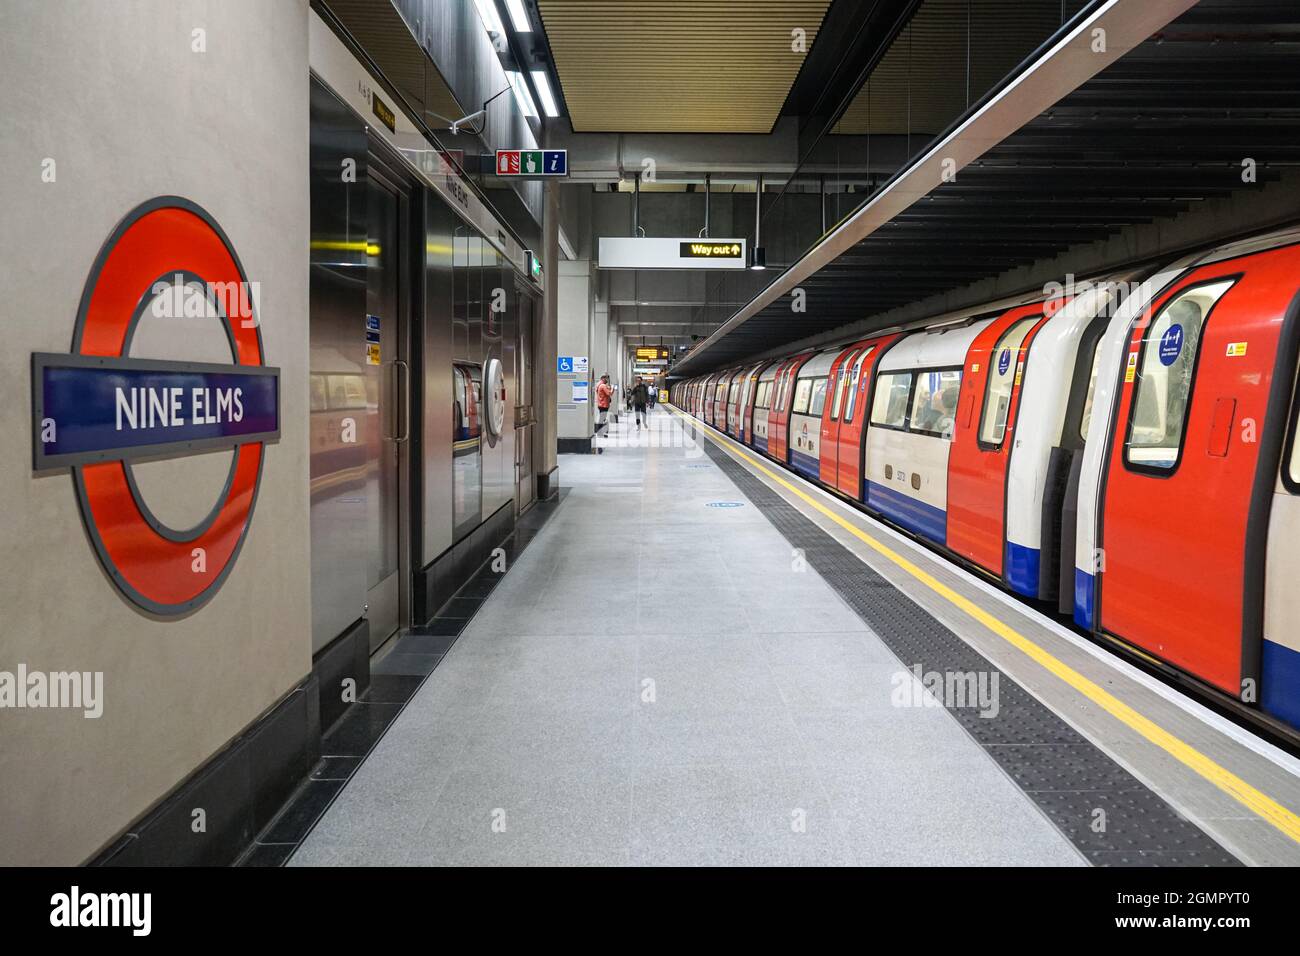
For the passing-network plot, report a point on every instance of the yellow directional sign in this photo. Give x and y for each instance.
(711, 250)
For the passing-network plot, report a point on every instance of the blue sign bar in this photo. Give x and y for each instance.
(88, 409)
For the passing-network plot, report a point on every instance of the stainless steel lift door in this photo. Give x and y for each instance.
(388, 384)
(525, 480)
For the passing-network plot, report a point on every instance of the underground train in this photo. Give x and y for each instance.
(1125, 450)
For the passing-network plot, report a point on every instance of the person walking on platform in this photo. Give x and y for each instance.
(652, 397)
(640, 396)
(604, 392)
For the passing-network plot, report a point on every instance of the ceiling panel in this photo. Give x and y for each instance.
(678, 66)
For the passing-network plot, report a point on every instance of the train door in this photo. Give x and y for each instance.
(1280, 660)
(525, 478)
(982, 446)
(836, 384)
(387, 383)
(733, 403)
(764, 390)
(1181, 542)
(778, 433)
(851, 445)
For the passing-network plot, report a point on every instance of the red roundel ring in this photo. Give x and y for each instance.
(153, 565)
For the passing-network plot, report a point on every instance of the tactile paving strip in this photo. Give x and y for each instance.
(1106, 812)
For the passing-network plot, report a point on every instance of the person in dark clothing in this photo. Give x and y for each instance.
(640, 397)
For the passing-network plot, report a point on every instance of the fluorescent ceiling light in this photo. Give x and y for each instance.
(522, 96)
(519, 16)
(543, 85)
(487, 12)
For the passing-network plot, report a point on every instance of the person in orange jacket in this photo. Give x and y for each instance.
(604, 394)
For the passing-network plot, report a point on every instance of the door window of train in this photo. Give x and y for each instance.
(890, 407)
(853, 385)
(934, 403)
(817, 402)
(1092, 390)
(840, 384)
(1164, 381)
(1001, 381)
(802, 392)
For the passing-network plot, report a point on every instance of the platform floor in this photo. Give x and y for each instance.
(660, 681)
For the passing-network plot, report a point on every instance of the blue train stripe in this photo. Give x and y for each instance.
(759, 442)
(1021, 566)
(916, 516)
(806, 465)
(1085, 590)
(1280, 682)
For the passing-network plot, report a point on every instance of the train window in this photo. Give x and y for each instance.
(934, 403)
(465, 404)
(817, 403)
(1092, 390)
(840, 384)
(853, 385)
(802, 392)
(1292, 472)
(1003, 364)
(890, 407)
(1164, 380)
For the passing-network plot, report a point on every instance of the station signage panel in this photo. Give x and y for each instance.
(703, 249)
(677, 253)
(95, 410)
(650, 353)
(523, 163)
(133, 408)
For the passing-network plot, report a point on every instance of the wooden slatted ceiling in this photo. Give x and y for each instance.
(677, 66)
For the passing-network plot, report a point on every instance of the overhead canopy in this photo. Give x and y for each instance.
(1164, 127)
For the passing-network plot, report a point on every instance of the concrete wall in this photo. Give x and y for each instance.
(117, 97)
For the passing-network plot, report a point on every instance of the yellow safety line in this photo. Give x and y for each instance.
(1258, 803)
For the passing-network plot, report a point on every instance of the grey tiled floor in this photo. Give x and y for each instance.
(655, 683)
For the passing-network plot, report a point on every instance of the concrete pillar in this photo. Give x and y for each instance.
(546, 349)
(573, 399)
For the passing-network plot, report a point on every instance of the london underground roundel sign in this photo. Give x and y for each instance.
(96, 410)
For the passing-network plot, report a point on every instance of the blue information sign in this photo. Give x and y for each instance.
(97, 409)
(555, 162)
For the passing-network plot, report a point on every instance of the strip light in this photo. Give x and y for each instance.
(522, 96)
(519, 16)
(543, 86)
(487, 12)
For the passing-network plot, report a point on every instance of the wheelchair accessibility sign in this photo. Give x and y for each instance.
(571, 364)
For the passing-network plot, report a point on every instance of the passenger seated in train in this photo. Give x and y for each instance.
(941, 414)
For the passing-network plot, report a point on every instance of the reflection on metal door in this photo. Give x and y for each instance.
(387, 417)
(525, 482)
